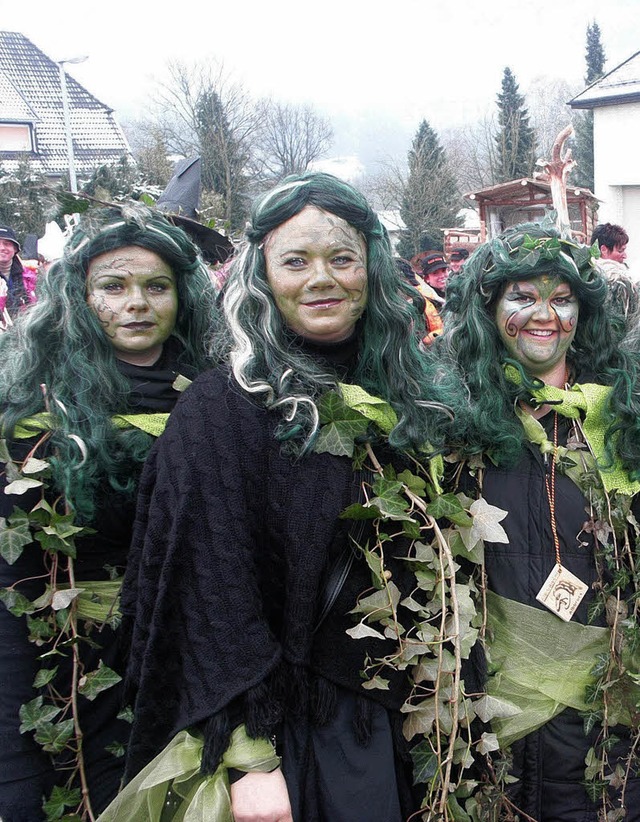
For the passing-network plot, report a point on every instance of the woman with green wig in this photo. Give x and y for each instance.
(88, 380)
(250, 701)
(551, 435)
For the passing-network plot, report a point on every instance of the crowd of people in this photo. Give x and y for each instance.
(340, 537)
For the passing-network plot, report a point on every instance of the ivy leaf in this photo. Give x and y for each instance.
(63, 598)
(491, 707)
(341, 426)
(487, 743)
(358, 511)
(362, 631)
(455, 540)
(420, 718)
(34, 714)
(34, 466)
(425, 762)
(415, 484)
(14, 535)
(95, 682)
(379, 603)
(54, 738)
(373, 408)
(126, 714)
(16, 603)
(44, 676)
(60, 799)
(389, 501)
(376, 682)
(117, 749)
(22, 485)
(486, 522)
(449, 506)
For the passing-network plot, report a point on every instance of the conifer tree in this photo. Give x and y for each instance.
(515, 139)
(223, 159)
(430, 200)
(583, 120)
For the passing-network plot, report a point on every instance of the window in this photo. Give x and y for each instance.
(15, 137)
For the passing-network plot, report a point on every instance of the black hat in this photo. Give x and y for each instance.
(179, 204)
(458, 254)
(7, 233)
(431, 263)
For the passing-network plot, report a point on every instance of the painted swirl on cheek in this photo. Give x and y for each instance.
(104, 312)
(567, 316)
(516, 321)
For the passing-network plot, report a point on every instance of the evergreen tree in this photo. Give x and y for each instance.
(515, 140)
(28, 199)
(430, 200)
(223, 160)
(583, 120)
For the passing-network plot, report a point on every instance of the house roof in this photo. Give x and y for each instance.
(523, 192)
(621, 85)
(30, 93)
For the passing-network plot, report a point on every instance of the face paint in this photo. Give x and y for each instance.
(537, 321)
(317, 271)
(133, 293)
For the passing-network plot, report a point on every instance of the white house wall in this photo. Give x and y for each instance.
(616, 137)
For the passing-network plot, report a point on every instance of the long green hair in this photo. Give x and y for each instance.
(59, 343)
(489, 423)
(390, 364)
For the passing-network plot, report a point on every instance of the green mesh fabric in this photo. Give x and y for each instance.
(589, 400)
(172, 789)
(541, 665)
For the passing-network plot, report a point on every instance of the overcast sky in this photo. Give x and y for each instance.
(402, 60)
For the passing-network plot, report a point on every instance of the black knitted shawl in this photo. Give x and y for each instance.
(230, 549)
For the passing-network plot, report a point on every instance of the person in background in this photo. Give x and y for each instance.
(433, 281)
(14, 294)
(624, 289)
(88, 379)
(457, 259)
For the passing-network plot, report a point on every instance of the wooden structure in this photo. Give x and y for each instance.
(527, 200)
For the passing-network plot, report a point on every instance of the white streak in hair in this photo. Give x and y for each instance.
(61, 405)
(281, 189)
(163, 234)
(437, 406)
(83, 449)
(286, 374)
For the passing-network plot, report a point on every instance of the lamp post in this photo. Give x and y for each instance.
(73, 183)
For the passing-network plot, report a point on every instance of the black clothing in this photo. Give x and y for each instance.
(26, 773)
(551, 761)
(17, 296)
(230, 551)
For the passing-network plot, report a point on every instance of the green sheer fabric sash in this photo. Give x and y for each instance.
(541, 665)
(172, 789)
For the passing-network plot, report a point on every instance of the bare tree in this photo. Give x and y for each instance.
(547, 102)
(201, 111)
(289, 138)
(472, 154)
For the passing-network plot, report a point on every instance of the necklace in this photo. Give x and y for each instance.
(562, 591)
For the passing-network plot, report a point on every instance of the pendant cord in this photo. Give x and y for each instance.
(550, 485)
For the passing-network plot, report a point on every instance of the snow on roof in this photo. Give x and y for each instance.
(30, 92)
(621, 85)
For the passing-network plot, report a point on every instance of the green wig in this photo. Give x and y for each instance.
(390, 363)
(59, 343)
(471, 338)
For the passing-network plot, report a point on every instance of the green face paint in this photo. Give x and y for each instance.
(133, 293)
(317, 271)
(537, 322)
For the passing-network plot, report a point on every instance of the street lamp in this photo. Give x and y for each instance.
(67, 119)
